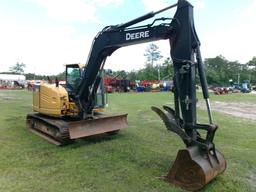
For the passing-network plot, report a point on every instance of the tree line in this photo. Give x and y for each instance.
(219, 70)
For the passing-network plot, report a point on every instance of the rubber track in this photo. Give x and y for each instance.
(51, 123)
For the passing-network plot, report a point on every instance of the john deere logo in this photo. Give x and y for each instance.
(139, 35)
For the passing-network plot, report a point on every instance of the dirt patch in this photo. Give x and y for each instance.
(145, 115)
(252, 179)
(242, 110)
(5, 97)
(8, 98)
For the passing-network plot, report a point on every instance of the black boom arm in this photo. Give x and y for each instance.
(185, 54)
(104, 44)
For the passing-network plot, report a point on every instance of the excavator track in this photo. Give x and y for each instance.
(64, 131)
(52, 129)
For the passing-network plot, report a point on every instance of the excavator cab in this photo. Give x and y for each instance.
(74, 74)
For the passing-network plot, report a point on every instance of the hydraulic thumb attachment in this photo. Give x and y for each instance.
(200, 162)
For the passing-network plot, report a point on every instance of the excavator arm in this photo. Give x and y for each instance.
(200, 162)
(104, 44)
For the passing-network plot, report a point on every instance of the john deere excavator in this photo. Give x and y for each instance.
(58, 118)
(68, 113)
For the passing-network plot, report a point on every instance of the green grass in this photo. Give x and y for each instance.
(133, 160)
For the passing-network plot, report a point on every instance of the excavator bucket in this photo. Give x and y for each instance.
(194, 168)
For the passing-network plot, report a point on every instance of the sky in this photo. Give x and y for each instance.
(46, 34)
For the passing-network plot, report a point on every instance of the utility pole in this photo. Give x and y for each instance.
(158, 70)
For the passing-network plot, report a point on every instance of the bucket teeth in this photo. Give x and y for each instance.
(171, 123)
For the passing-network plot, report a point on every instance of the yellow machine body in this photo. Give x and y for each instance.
(53, 100)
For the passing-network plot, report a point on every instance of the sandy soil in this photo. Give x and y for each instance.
(244, 110)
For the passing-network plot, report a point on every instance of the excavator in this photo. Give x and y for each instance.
(64, 114)
(58, 119)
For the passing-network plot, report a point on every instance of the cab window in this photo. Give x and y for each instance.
(73, 75)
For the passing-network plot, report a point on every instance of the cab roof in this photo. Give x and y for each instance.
(81, 65)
